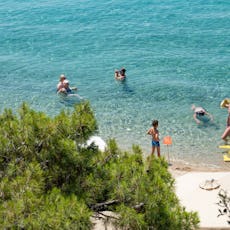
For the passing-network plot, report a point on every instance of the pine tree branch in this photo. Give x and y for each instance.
(103, 206)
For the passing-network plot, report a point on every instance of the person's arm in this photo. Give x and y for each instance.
(62, 90)
(73, 88)
(59, 86)
(149, 132)
(116, 73)
(195, 118)
(208, 114)
(226, 106)
(228, 121)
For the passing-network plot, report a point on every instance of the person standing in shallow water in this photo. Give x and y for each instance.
(227, 130)
(120, 74)
(60, 84)
(153, 131)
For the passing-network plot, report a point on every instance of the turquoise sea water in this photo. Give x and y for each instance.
(176, 53)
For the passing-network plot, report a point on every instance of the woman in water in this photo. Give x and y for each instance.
(66, 89)
(120, 74)
(227, 130)
(61, 82)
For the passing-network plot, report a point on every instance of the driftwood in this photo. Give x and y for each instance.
(104, 215)
(103, 206)
(139, 207)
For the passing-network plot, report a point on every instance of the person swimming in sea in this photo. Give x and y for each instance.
(120, 74)
(200, 112)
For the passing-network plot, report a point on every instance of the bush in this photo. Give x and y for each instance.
(51, 180)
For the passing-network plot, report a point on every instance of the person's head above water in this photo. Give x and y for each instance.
(66, 82)
(62, 77)
(123, 70)
(155, 123)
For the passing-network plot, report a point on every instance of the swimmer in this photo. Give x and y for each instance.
(200, 112)
(120, 74)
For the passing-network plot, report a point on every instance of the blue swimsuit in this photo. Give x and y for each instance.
(156, 143)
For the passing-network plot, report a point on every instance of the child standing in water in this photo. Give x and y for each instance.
(153, 131)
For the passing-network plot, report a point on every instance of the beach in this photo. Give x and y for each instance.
(189, 182)
(176, 53)
(188, 179)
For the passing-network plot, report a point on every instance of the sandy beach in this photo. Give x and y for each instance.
(188, 179)
(198, 191)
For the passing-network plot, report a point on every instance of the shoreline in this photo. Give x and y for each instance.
(204, 160)
(178, 168)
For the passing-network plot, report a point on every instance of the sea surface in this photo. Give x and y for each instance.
(176, 53)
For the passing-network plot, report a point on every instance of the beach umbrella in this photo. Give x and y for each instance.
(167, 140)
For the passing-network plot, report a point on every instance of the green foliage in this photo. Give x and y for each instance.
(154, 188)
(21, 191)
(26, 206)
(38, 155)
(130, 219)
(62, 212)
(51, 180)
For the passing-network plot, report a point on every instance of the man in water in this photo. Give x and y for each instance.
(200, 112)
(66, 89)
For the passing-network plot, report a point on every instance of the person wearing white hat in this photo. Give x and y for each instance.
(60, 83)
(66, 89)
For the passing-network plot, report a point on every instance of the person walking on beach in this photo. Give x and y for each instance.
(200, 112)
(153, 131)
